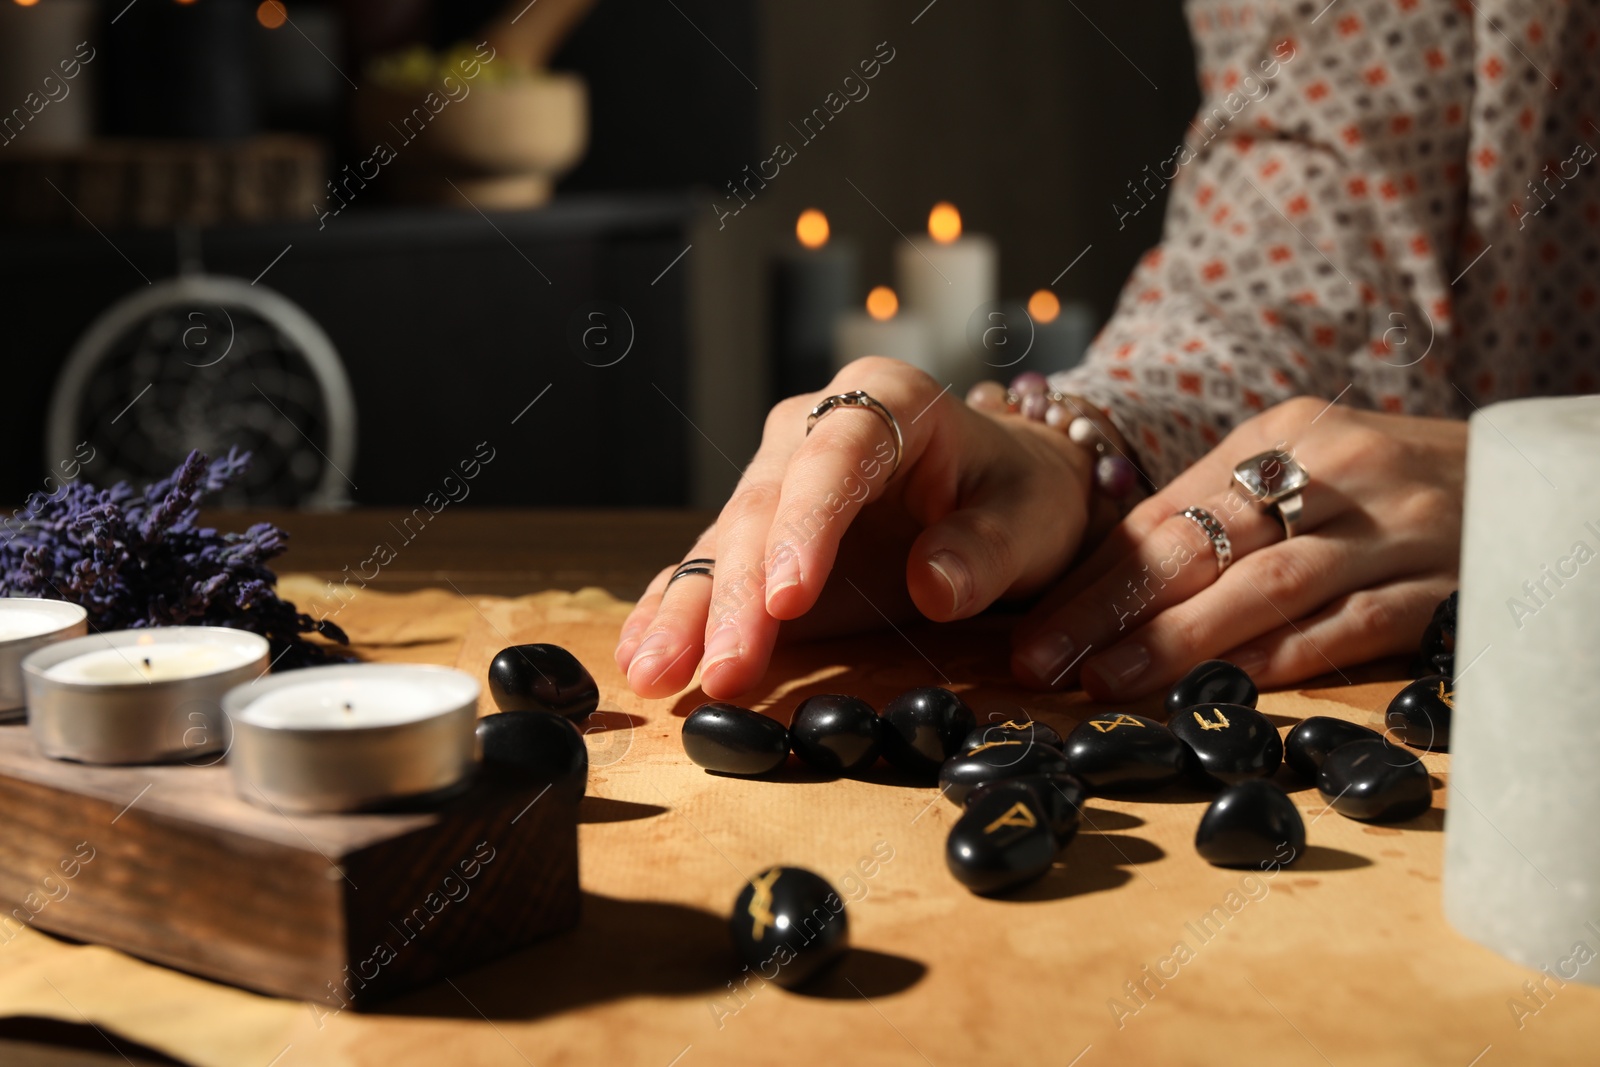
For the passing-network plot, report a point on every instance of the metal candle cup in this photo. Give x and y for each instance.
(138, 696)
(28, 624)
(352, 737)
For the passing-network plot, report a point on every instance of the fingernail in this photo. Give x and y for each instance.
(723, 645)
(1120, 667)
(648, 653)
(1048, 657)
(955, 575)
(1252, 661)
(783, 570)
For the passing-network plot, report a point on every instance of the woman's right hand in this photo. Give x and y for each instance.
(981, 507)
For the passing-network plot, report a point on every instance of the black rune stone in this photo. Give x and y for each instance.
(1231, 743)
(788, 925)
(1060, 795)
(1309, 743)
(728, 739)
(1251, 824)
(1012, 730)
(1375, 781)
(836, 734)
(1420, 713)
(1001, 841)
(1216, 681)
(1438, 652)
(922, 727)
(1122, 753)
(542, 678)
(997, 761)
(536, 749)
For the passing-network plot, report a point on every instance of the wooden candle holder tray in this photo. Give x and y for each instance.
(169, 864)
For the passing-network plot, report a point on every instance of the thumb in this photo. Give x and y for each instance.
(1005, 542)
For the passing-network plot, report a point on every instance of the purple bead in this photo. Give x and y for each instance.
(1029, 382)
(1115, 476)
(1034, 406)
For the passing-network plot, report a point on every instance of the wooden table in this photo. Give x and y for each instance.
(504, 552)
(1343, 958)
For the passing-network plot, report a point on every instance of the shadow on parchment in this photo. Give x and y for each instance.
(33, 1039)
(624, 948)
(594, 809)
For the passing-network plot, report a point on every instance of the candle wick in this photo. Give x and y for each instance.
(147, 663)
(348, 706)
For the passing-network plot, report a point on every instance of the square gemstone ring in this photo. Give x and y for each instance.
(1274, 480)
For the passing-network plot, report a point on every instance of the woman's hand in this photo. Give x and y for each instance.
(1376, 549)
(980, 508)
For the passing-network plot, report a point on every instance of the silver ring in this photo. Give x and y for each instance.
(693, 566)
(858, 398)
(1275, 480)
(1220, 545)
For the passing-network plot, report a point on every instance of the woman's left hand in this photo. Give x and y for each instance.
(1376, 549)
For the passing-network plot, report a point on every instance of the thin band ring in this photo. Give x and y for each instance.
(1215, 533)
(858, 398)
(693, 566)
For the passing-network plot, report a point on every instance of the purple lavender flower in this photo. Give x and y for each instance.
(138, 559)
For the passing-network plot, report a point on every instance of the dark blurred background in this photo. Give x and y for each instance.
(363, 239)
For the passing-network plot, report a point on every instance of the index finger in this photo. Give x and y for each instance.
(841, 466)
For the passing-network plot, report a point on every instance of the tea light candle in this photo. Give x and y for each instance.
(946, 277)
(26, 625)
(883, 330)
(352, 737)
(138, 696)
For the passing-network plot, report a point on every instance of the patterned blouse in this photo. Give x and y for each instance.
(1392, 202)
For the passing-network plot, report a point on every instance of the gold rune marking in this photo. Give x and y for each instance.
(1017, 815)
(760, 908)
(1220, 723)
(1447, 697)
(1105, 726)
(1011, 724)
(991, 744)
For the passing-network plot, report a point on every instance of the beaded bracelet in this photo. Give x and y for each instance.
(1031, 397)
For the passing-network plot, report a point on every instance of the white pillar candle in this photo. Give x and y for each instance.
(882, 330)
(26, 625)
(1522, 862)
(352, 737)
(945, 278)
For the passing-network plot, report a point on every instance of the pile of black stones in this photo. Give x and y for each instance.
(1021, 785)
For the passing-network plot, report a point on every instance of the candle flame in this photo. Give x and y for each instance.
(271, 14)
(882, 303)
(944, 222)
(812, 228)
(1044, 306)
(26, 3)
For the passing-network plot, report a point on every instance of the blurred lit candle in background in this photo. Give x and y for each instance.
(813, 280)
(882, 330)
(946, 277)
(43, 75)
(1061, 332)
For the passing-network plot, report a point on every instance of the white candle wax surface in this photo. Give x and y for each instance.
(164, 661)
(946, 283)
(903, 337)
(19, 621)
(350, 703)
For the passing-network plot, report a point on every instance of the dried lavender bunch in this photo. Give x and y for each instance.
(134, 560)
